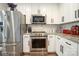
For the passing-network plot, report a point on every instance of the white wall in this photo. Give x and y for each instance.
(26, 10)
(46, 28)
(3, 6)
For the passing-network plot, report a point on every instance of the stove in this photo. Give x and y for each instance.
(38, 41)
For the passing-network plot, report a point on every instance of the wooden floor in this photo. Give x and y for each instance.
(39, 54)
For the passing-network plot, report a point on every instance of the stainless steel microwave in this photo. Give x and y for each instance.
(38, 19)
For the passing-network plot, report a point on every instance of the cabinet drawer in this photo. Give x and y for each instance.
(70, 43)
(50, 36)
(26, 36)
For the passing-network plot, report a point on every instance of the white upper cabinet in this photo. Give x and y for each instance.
(52, 14)
(28, 13)
(50, 11)
(39, 9)
(67, 12)
(70, 12)
(77, 9)
(49, 15)
(55, 13)
(43, 9)
(35, 9)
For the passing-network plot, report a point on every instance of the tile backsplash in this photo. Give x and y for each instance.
(68, 26)
(47, 28)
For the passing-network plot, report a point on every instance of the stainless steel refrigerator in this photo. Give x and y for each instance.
(10, 33)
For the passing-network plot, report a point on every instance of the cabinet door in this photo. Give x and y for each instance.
(77, 9)
(35, 9)
(68, 11)
(28, 13)
(70, 47)
(51, 43)
(65, 12)
(43, 9)
(67, 50)
(71, 12)
(51, 12)
(78, 49)
(58, 45)
(26, 42)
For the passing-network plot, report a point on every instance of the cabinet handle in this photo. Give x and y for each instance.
(67, 43)
(52, 20)
(78, 13)
(62, 18)
(61, 49)
(75, 14)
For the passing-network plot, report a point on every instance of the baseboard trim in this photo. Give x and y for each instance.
(29, 53)
(51, 52)
(26, 53)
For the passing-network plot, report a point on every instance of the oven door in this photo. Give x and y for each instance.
(38, 44)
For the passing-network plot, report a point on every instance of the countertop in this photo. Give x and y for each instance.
(74, 38)
(27, 34)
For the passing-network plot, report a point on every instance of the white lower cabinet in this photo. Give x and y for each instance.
(51, 43)
(26, 41)
(69, 48)
(59, 46)
(78, 49)
(65, 47)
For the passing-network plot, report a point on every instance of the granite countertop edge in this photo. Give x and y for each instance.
(74, 38)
